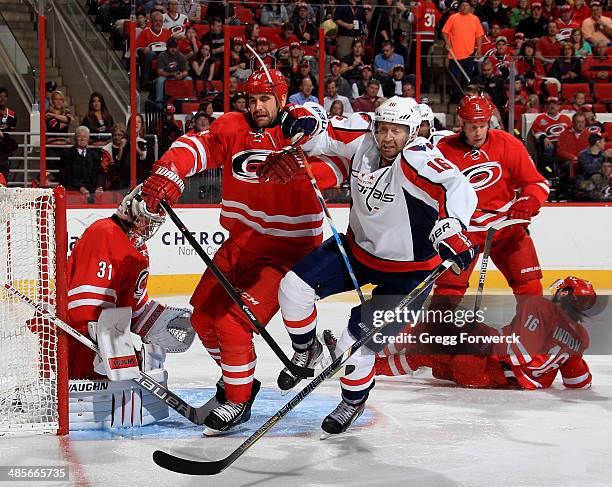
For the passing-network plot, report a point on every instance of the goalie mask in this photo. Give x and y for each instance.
(140, 228)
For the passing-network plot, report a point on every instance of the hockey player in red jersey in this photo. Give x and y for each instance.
(498, 166)
(108, 268)
(271, 226)
(409, 209)
(545, 337)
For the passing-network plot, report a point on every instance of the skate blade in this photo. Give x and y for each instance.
(209, 432)
(326, 435)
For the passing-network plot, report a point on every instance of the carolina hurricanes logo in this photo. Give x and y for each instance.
(141, 284)
(484, 175)
(555, 130)
(244, 164)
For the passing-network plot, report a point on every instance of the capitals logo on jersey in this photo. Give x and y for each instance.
(374, 187)
(245, 164)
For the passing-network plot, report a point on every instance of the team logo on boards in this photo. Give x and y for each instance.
(245, 163)
(483, 175)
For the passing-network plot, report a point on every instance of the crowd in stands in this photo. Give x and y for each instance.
(560, 50)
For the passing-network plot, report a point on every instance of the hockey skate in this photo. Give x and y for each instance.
(220, 394)
(229, 414)
(308, 358)
(339, 420)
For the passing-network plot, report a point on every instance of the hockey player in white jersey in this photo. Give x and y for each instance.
(409, 210)
(427, 128)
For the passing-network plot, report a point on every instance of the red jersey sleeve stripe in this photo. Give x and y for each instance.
(436, 190)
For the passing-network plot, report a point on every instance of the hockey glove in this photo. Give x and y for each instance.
(297, 119)
(280, 166)
(524, 208)
(163, 185)
(450, 242)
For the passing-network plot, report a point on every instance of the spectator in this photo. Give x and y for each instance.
(8, 121)
(305, 93)
(332, 95)
(461, 33)
(596, 68)
(567, 67)
(175, 21)
(519, 40)
(285, 37)
(546, 129)
(189, 44)
(369, 100)
(492, 85)
(488, 40)
(379, 25)
(548, 48)
(593, 125)
(359, 88)
(239, 102)
(208, 109)
(533, 104)
(581, 11)
(592, 158)
(351, 64)
(424, 18)
(393, 85)
(238, 61)
(296, 79)
(494, 11)
(141, 24)
(116, 160)
(501, 57)
(597, 187)
(549, 10)
(214, 38)
(50, 87)
(573, 139)
(344, 87)
(291, 66)
(520, 94)
(304, 29)
(192, 10)
(387, 60)
(150, 43)
(80, 168)
(579, 101)
(58, 119)
(527, 62)
(263, 49)
(597, 27)
(222, 9)
(518, 13)
(566, 24)
(581, 47)
(98, 119)
(350, 18)
(533, 26)
(144, 157)
(408, 89)
(251, 33)
(274, 15)
(200, 122)
(203, 64)
(337, 109)
(171, 64)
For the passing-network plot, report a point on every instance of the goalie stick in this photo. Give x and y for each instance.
(296, 370)
(485, 256)
(195, 415)
(193, 467)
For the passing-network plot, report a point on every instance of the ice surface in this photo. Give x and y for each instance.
(416, 432)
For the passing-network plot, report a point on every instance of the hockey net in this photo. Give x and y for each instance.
(33, 384)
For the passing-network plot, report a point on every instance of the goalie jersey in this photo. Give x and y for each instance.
(104, 270)
(395, 207)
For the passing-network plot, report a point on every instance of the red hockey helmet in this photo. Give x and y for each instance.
(582, 295)
(474, 109)
(258, 82)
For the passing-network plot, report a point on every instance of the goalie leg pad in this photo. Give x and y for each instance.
(104, 404)
(115, 343)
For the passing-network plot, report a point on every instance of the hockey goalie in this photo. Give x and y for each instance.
(108, 300)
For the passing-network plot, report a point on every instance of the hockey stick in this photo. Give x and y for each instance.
(191, 467)
(296, 370)
(195, 415)
(485, 256)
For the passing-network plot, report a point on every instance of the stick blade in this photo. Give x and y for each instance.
(189, 467)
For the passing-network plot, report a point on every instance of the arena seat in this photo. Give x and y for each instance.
(603, 92)
(568, 90)
(179, 89)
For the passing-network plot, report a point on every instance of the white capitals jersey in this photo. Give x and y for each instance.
(438, 135)
(395, 207)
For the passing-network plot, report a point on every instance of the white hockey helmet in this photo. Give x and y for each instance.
(140, 228)
(426, 114)
(402, 111)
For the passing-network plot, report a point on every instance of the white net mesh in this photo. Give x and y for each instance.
(28, 345)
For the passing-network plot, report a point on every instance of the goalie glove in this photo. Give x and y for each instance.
(168, 327)
(450, 242)
(281, 166)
